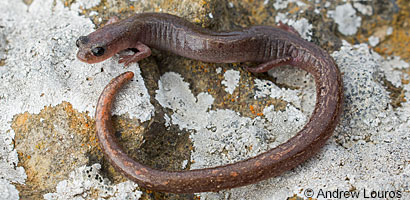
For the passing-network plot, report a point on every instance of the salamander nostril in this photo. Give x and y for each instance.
(82, 40)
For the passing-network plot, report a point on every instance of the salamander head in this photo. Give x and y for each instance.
(101, 44)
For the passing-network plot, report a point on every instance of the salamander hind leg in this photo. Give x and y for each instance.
(288, 28)
(143, 52)
(264, 67)
(112, 20)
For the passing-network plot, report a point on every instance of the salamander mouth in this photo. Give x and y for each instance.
(89, 58)
(81, 56)
(84, 57)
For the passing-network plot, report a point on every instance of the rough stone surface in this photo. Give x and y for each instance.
(179, 114)
(369, 150)
(223, 132)
(41, 70)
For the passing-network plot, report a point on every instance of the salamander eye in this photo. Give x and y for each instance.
(98, 51)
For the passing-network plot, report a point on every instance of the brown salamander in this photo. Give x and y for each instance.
(267, 45)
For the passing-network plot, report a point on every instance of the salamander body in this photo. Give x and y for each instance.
(267, 45)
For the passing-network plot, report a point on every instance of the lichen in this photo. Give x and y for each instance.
(346, 19)
(302, 25)
(8, 191)
(231, 80)
(223, 136)
(86, 183)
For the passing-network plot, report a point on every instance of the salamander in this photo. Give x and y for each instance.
(269, 46)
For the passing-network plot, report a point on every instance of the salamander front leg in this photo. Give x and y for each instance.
(143, 52)
(264, 67)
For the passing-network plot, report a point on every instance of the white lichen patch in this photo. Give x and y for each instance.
(369, 149)
(282, 120)
(302, 26)
(363, 84)
(138, 103)
(231, 80)
(87, 4)
(265, 88)
(86, 181)
(8, 191)
(295, 78)
(50, 72)
(282, 4)
(188, 110)
(218, 70)
(41, 69)
(224, 136)
(389, 30)
(9, 171)
(346, 19)
(374, 40)
(184, 164)
(393, 70)
(364, 9)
